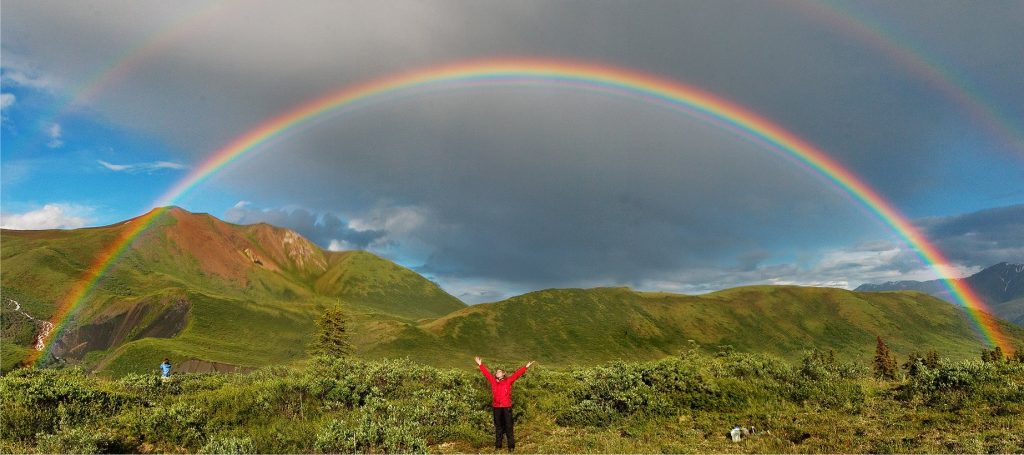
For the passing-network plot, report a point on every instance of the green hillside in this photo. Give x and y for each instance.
(1011, 310)
(214, 295)
(563, 326)
(192, 286)
(383, 286)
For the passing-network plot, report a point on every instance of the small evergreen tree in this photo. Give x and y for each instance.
(913, 364)
(885, 363)
(332, 336)
(931, 360)
(1018, 354)
(994, 356)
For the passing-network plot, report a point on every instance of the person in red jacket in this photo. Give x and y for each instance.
(501, 393)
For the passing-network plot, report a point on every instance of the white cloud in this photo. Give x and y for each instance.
(114, 167)
(142, 167)
(55, 132)
(323, 228)
(341, 245)
(474, 291)
(394, 220)
(847, 268)
(30, 79)
(50, 216)
(7, 100)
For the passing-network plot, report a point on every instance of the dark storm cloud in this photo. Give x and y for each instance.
(980, 238)
(970, 241)
(323, 229)
(538, 188)
(544, 187)
(779, 58)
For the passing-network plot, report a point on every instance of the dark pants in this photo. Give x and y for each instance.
(503, 426)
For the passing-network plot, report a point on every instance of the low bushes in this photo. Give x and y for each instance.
(959, 384)
(681, 402)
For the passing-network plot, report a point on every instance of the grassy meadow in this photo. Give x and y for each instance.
(684, 403)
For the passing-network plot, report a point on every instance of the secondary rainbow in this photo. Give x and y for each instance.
(129, 60)
(921, 64)
(580, 75)
(133, 57)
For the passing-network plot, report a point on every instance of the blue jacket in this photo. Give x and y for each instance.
(166, 368)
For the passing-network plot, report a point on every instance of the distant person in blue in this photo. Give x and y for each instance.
(165, 369)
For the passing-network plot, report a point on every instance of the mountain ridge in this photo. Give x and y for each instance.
(1000, 286)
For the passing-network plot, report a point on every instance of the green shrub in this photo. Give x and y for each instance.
(181, 423)
(379, 427)
(681, 403)
(657, 388)
(957, 384)
(83, 440)
(335, 437)
(43, 398)
(146, 385)
(587, 413)
(440, 412)
(73, 440)
(754, 366)
(228, 445)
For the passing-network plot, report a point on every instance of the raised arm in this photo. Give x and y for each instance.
(521, 370)
(485, 371)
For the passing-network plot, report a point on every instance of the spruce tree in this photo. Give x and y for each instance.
(913, 364)
(885, 363)
(332, 336)
(931, 360)
(994, 356)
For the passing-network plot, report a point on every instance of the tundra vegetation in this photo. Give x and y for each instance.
(683, 403)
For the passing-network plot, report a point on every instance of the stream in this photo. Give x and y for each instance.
(47, 326)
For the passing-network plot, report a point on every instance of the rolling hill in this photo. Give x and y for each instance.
(1001, 286)
(593, 325)
(215, 295)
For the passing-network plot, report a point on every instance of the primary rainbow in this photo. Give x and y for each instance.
(578, 75)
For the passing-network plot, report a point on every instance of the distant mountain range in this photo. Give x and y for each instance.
(214, 295)
(1001, 286)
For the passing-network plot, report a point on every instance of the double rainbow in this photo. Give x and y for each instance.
(577, 75)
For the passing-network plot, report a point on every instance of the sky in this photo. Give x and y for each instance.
(491, 191)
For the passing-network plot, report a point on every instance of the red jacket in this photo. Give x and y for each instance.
(501, 390)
